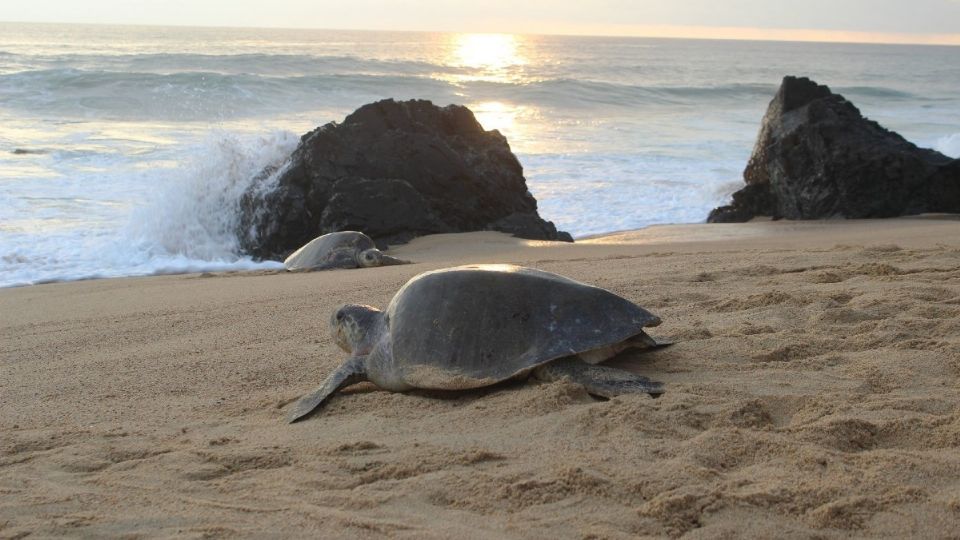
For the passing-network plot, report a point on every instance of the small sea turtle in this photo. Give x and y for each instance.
(473, 326)
(344, 249)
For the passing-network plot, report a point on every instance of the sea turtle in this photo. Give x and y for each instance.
(473, 326)
(344, 249)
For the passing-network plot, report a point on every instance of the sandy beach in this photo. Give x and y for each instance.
(813, 391)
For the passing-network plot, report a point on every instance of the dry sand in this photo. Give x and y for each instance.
(814, 391)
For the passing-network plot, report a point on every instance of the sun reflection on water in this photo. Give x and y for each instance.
(518, 123)
(487, 57)
(492, 58)
(495, 115)
(488, 51)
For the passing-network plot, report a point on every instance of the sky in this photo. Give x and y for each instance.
(885, 21)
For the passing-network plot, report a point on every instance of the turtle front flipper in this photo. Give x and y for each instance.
(351, 372)
(598, 380)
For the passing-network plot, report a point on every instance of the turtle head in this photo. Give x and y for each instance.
(354, 327)
(374, 257)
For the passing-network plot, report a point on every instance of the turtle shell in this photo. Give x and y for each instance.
(472, 326)
(334, 250)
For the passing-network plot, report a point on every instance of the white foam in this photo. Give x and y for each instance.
(196, 212)
(949, 145)
(590, 194)
(187, 225)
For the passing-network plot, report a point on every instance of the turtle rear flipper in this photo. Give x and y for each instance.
(645, 341)
(640, 342)
(598, 380)
(351, 372)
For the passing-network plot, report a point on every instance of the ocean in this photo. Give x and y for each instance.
(124, 150)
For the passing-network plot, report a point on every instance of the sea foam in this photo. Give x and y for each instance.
(185, 220)
(949, 145)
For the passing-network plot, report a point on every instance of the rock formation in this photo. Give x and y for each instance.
(818, 157)
(394, 170)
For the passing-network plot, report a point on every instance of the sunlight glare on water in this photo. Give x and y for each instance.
(495, 115)
(497, 59)
(490, 56)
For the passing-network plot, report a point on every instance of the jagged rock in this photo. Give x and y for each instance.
(394, 170)
(818, 157)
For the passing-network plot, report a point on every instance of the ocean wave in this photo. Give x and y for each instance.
(196, 212)
(196, 95)
(183, 219)
(586, 93)
(254, 71)
(229, 64)
(876, 92)
(211, 95)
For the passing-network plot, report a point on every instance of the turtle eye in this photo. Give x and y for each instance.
(339, 316)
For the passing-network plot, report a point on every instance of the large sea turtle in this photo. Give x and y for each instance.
(474, 326)
(344, 249)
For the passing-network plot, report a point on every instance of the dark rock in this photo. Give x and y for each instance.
(818, 157)
(529, 225)
(394, 170)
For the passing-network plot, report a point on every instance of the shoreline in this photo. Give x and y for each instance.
(658, 234)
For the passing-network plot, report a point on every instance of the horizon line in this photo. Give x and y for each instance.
(719, 33)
